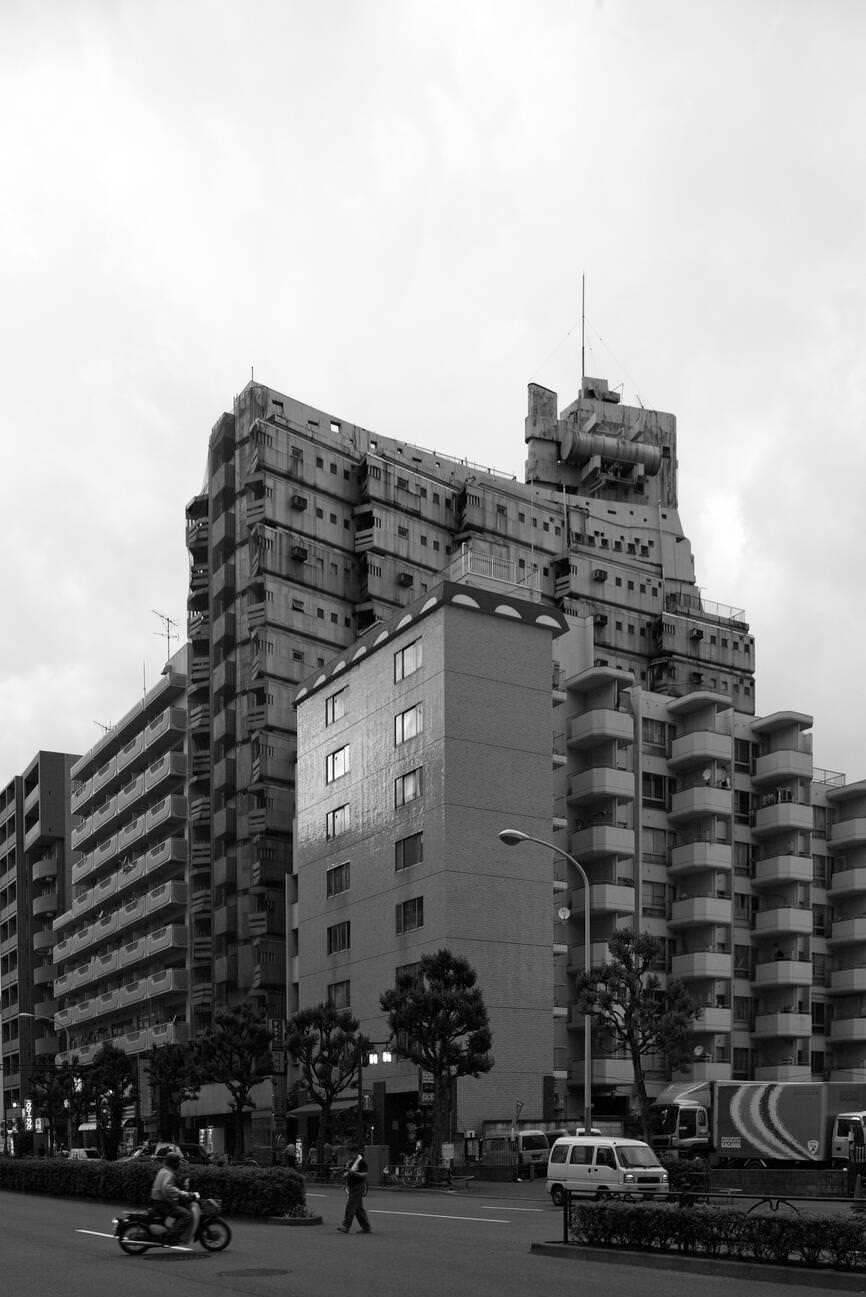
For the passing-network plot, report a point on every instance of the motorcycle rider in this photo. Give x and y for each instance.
(167, 1197)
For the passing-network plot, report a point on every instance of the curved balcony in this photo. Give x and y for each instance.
(82, 795)
(132, 952)
(702, 963)
(848, 833)
(713, 1018)
(695, 857)
(130, 874)
(782, 817)
(169, 851)
(788, 919)
(104, 851)
(167, 894)
(169, 1033)
(170, 808)
(845, 980)
(848, 931)
(778, 870)
(785, 1071)
(106, 1002)
(167, 982)
(172, 937)
(783, 972)
(171, 765)
(698, 911)
(104, 965)
(780, 766)
(847, 882)
(608, 1071)
(44, 869)
(602, 840)
(602, 724)
(601, 782)
(605, 898)
(787, 1024)
(699, 747)
(45, 904)
(43, 940)
(700, 802)
(848, 1029)
(133, 911)
(135, 1042)
(130, 833)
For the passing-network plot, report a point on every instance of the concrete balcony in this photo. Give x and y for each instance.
(132, 912)
(699, 748)
(43, 940)
(45, 904)
(169, 1033)
(607, 1072)
(779, 870)
(779, 766)
(132, 952)
(172, 937)
(846, 980)
(167, 982)
(170, 724)
(599, 953)
(782, 817)
(132, 993)
(171, 809)
(695, 857)
(170, 766)
(168, 895)
(598, 726)
(44, 869)
(845, 1029)
(783, 972)
(699, 802)
(104, 774)
(606, 898)
(784, 1072)
(784, 920)
(130, 793)
(104, 965)
(848, 833)
(601, 783)
(597, 841)
(130, 752)
(846, 882)
(712, 1019)
(848, 931)
(130, 834)
(790, 1025)
(698, 911)
(169, 851)
(703, 963)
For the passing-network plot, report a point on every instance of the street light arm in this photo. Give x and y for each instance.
(514, 838)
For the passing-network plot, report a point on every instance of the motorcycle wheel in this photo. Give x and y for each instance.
(134, 1239)
(215, 1235)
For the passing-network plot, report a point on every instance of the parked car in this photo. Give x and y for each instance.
(83, 1154)
(192, 1153)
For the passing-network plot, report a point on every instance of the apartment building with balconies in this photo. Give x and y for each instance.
(122, 943)
(35, 879)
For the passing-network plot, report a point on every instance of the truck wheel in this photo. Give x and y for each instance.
(557, 1195)
(602, 1195)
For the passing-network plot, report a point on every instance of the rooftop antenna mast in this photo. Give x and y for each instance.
(104, 728)
(582, 329)
(168, 630)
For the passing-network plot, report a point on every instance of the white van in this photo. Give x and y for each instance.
(525, 1152)
(603, 1166)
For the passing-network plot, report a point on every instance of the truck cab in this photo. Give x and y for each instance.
(849, 1129)
(684, 1127)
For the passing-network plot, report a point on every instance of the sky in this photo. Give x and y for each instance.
(385, 208)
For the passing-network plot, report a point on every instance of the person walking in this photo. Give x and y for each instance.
(356, 1187)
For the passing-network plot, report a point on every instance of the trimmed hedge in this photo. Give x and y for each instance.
(242, 1190)
(802, 1240)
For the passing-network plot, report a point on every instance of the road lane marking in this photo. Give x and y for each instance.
(482, 1207)
(435, 1215)
(98, 1233)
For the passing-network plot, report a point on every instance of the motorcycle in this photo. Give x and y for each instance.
(139, 1230)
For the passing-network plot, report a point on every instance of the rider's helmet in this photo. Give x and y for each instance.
(172, 1160)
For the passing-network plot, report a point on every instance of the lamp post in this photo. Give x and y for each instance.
(368, 1056)
(513, 838)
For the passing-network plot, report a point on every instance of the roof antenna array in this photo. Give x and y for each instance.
(168, 630)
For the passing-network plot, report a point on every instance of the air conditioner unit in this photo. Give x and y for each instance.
(599, 574)
(695, 633)
(405, 578)
(299, 551)
(599, 619)
(299, 502)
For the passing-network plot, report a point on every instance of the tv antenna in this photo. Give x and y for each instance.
(104, 728)
(168, 630)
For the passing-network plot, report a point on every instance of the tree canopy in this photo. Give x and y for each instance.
(325, 1045)
(234, 1052)
(634, 1012)
(110, 1085)
(173, 1076)
(438, 1020)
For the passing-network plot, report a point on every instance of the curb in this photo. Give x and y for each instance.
(801, 1277)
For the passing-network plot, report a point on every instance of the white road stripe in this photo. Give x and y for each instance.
(96, 1233)
(435, 1215)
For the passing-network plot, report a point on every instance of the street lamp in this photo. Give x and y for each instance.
(368, 1055)
(513, 838)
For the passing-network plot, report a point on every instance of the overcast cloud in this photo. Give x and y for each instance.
(385, 207)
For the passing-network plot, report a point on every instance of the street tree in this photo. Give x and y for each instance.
(235, 1052)
(324, 1044)
(174, 1078)
(110, 1083)
(47, 1094)
(438, 1020)
(633, 1011)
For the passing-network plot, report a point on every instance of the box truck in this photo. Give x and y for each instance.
(777, 1123)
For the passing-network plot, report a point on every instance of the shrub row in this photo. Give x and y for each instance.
(243, 1191)
(708, 1231)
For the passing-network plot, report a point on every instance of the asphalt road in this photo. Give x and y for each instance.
(423, 1245)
